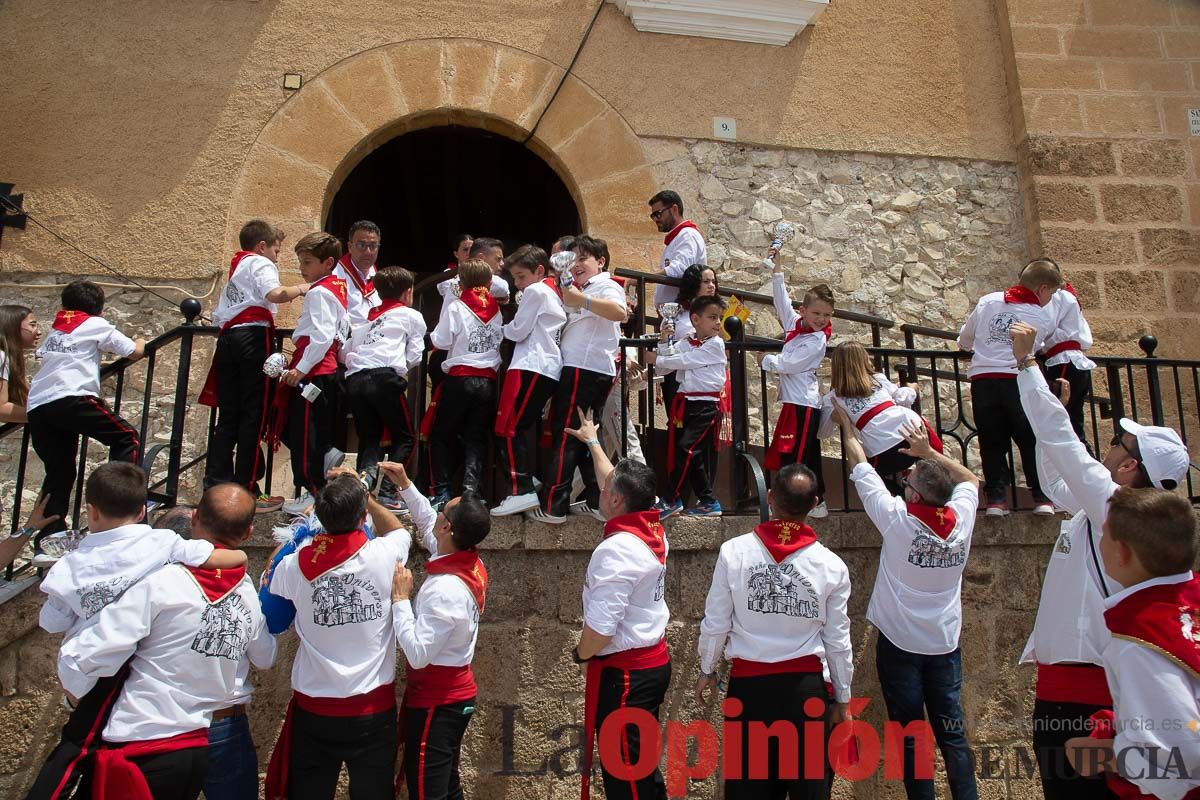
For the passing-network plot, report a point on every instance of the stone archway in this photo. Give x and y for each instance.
(294, 168)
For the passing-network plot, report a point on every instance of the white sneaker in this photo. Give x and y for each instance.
(1044, 510)
(54, 547)
(580, 508)
(333, 458)
(821, 511)
(515, 504)
(300, 505)
(538, 515)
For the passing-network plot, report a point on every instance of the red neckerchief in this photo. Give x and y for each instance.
(383, 308)
(336, 286)
(801, 329)
(68, 321)
(694, 342)
(467, 567)
(327, 551)
(216, 583)
(237, 259)
(1165, 618)
(1021, 294)
(1068, 287)
(678, 229)
(553, 284)
(647, 526)
(481, 303)
(939, 519)
(782, 537)
(366, 286)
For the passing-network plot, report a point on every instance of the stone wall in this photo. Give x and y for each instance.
(524, 740)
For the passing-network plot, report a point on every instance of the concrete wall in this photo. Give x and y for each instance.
(523, 742)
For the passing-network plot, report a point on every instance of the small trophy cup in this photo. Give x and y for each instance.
(670, 313)
(783, 233)
(562, 262)
(275, 365)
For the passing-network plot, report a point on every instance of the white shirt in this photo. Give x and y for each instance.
(1069, 326)
(1154, 700)
(253, 278)
(186, 654)
(358, 305)
(71, 361)
(701, 367)
(450, 289)
(986, 332)
(396, 339)
(798, 362)
(467, 340)
(3, 366)
(624, 595)
(589, 341)
(686, 249)
(537, 329)
(777, 612)
(439, 627)
(917, 601)
(882, 431)
(1069, 627)
(344, 619)
(104, 565)
(324, 322)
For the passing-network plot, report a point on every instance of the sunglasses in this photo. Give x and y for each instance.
(654, 215)
(1118, 440)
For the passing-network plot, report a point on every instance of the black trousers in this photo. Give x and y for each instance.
(577, 388)
(321, 744)
(645, 689)
(55, 428)
(808, 447)
(70, 760)
(1080, 381)
(1053, 724)
(434, 368)
(670, 386)
(432, 745)
(175, 776)
(1000, 419)
(310, 430)
(243, 395)
(466, 414)
(768, 699)
(695, 451)
(378, 400)
(531, 395)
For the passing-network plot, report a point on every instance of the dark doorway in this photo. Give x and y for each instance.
(424, 188)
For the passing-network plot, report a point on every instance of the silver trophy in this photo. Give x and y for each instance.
(784, 232)
(670, 313)
(275, 365)
(562, 262)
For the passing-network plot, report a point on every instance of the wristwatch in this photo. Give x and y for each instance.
(578, 659)
(28, 530)
(1026, 362)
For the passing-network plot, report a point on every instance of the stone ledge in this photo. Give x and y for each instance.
(774, 22)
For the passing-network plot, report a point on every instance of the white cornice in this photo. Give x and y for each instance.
(763, 21)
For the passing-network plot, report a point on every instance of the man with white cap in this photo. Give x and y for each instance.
(1069, 635)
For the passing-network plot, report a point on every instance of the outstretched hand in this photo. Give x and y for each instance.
(396, 473)
(586, 431)
(37, 517)
(1063, 387)
(402, 582)
(918, 441)
(841, 417)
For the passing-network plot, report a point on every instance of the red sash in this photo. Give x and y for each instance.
(872, 412)
(1165, 618)
(801, 330)
(366, 288)
(626, 661)
(436, 685)
(756, 669)
(280, 406)
(783, 537)
(384, 307)
(427, 421)
(678, 229)
(1019, 294)
(465, 371)
(116, 777)
(327, 551)
(1062, 347)
(939, 519)
(678, 406)
(509, 413)
(378, 700)
(645, 525)
(787, 427)
(67, 321)
(1072, 683)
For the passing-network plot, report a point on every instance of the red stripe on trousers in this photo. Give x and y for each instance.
(115, 420)
(262, 423)
(512, 466)
(87, 742)
(312, 486)
(421, 755)
(563, 445)
(804, 436)
(625, 735)
(688, 461)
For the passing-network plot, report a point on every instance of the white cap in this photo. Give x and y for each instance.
(1164, 455)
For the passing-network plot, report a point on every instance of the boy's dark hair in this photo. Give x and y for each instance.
(794, 492)
(83, 296)
(596, 248)
(528, 256)
(259, 230)
(474, 273)
(701, 304)
(322, 245)
(668, 198)
(392, 282)
(820, 292)
(566, 242)
(227, 512)
(932, 481)
(482, 245)
(364, 225)
(1159, 526)
(636, 483)
(341, 504)
(470, 521)
(460, 238)
(117, 489)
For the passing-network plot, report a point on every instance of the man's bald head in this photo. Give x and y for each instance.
(793, 492)
(225, 515)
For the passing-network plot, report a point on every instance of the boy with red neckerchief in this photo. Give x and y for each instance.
(1147, 746)
(64, 400)
(622, 647)
(805, 339)
(532, 373)
(306, 423)
(777, 608)
(917, 602)
(437, 632)
(462, 408)
(343, 708)
(357, 269)
(995, 399)
(236, 385)
(378, 357)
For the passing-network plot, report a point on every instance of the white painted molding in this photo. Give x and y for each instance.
(774, 22)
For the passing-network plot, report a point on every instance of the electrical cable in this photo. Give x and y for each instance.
(586, 34)
(212, 287)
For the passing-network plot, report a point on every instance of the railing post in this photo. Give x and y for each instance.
(910, 344)
(740, 423)
(191, 310)
(1149, 344)
(1116, 397)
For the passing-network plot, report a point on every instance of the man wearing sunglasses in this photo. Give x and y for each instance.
(684, 243)
(357, 269)
(1069, 634)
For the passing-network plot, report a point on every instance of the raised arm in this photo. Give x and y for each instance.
(918, 447)
(586, 433)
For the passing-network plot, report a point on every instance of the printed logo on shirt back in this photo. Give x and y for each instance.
(775, 589)
(1063, 545)
(998, 330)
(374, 333)
(56, 343)
(483, 339)
(234, 295)
(224, 629)
(930, 552)
(93, 599)
(660, 588)
(855, 405)
(344, 600)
